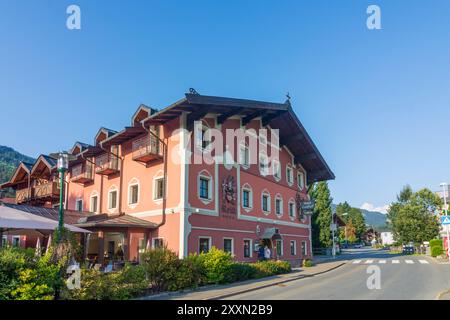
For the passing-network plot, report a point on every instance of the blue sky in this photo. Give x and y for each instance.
(376, 103)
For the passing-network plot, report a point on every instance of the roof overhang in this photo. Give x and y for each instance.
(124, 135)
(45, 161)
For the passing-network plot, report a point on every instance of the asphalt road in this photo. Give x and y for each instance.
(401, 277)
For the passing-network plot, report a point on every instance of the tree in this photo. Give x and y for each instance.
(412, 217)
(321, 218)
(353, 215)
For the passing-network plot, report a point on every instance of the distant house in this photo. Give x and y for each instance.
(387, 238)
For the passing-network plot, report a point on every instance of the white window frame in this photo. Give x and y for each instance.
(133, 183)
(243, 150)
(289, 176)
(205, 175)
(300, 181)
(247, 187)
(232, 244)
(112, 190)
(266, 193)
(291, 202)
(4, 241)
(295, 247)
(305, 250)
(251, 248)
(199, 142)
(282, 247)
(155, 188)
(209, 243)
(263, 170)
(157, 238)
(91, 203)
(276, 168)
(279, 198)
(13, 241)
(77, 207)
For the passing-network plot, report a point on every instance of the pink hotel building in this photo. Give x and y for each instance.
(137, 188)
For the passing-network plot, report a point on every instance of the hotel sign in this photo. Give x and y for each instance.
(307, 207)
(228, 201)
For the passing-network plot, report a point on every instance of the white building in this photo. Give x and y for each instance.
(387, 238)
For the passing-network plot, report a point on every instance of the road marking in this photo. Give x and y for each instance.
(423, 261)
(382, 261)
(409, 261)
(356, 261)
(369, 261)
(395, 261)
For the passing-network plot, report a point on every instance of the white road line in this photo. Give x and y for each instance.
(423, 261)
(395, 261)
(382, 261)
(409, 261)
(356, 261)
(369, 261)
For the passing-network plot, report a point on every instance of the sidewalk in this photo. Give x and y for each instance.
(223, 291)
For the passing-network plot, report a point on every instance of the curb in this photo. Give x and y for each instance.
(227, 295)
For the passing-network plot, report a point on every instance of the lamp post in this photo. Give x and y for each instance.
(444, 186)
(63, 165)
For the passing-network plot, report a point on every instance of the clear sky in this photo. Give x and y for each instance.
(376, 103)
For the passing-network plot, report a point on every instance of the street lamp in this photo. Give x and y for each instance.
(444, 186)
(63, 165)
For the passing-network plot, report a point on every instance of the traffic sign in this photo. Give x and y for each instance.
(445, 220)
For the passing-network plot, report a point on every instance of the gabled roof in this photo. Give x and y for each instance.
(117, 221)
(48, 161)
(141, 113)
(22, 171)
(277, 115)
(107, 132)
(81, 147)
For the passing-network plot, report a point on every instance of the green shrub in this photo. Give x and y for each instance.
(436, 251)
(12, 262)
(307, 263)
(190, 273)
(436, 243)
(160, 265)
(270, 267)
(244, 271)
(217, 264)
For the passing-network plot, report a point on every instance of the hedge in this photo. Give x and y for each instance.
(436, 251)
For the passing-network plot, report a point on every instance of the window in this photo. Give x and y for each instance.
(247, 248)
(203, 138)
(304, 249)
(16, 241)
(158, 243)
(228, 245)
(204, 244)
(4, 241)
(112, 199)
(278, 206)
(94, 204)
(289, 175)
(263, 165)
(292, 209)
(159, 188)
(276, 170)
(279, 244)
(133, 194)
(204, 188)
(301, 180)
(247, 201)
(293, 248)
(265, 202)
(245, 156)
(79, 205)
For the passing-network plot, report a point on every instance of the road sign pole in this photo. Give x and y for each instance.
(444, 187)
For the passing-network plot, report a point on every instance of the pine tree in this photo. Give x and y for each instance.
(321, 219)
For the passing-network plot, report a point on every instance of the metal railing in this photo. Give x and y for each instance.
(145, 146)
(107, 161)
(79, 172)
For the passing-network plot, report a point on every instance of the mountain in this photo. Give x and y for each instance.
(373, 218)
(9, 160)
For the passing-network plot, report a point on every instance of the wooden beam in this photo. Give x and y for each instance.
(292, 139)
(314, 175)
(270, 117)
(306, 157)
(195, 115)
(221, 119)
(252, 116)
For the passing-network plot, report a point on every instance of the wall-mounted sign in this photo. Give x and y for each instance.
(307, 207)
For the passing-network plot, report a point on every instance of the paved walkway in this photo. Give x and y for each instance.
(223, 291)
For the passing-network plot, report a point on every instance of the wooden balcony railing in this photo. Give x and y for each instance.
(46, 190)
(22, 195)
(107, 164)
(147, 149)
(82, 174)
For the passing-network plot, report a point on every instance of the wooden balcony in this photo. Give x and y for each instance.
(82, 174)
(22, 195)
(107, 164)
(49, 190)
(147, 149)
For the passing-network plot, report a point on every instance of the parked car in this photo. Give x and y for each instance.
(358, 246)
(408, 249)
